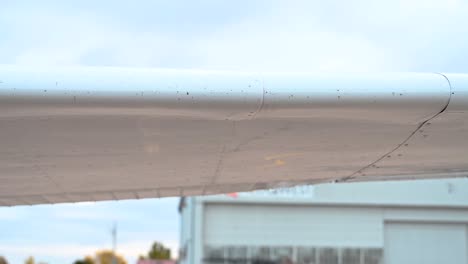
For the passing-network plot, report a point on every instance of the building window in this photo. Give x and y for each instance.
(214, 255)
(328, 256)
(351, 256)
(290, 255)
(237, 255)
(373, 256)
(282, 255)
(306, 255)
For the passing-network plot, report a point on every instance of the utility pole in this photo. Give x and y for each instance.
(114, 243)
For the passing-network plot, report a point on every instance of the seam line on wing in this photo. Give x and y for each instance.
(260, 107)
(353, 175)
(217, 170)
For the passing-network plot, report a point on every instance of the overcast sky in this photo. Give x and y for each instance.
(247, 35)
(333, 35)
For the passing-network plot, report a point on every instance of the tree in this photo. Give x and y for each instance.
(158, 251)
(102, 257)
(29, 260)
(106, 257)
(86, 260)
(3, 260)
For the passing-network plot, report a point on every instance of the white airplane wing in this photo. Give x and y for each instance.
(89, 134)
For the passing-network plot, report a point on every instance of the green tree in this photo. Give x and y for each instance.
(158, 251)
(86, 260)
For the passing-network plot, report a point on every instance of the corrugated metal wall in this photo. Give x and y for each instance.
(292, 225)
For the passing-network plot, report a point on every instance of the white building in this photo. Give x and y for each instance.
(406, 222)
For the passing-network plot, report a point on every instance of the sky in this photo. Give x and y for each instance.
(63, 233)
(243, 35)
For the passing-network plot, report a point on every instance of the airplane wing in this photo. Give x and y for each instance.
(90, 134)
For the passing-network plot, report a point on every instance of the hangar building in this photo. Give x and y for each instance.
(401, 222)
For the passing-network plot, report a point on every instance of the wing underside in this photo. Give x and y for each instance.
(89, 134)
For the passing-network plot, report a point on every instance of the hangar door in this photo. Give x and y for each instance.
(421, 243)
(241, 224)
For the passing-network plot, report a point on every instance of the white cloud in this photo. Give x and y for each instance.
(274, 47)
(356, 35)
